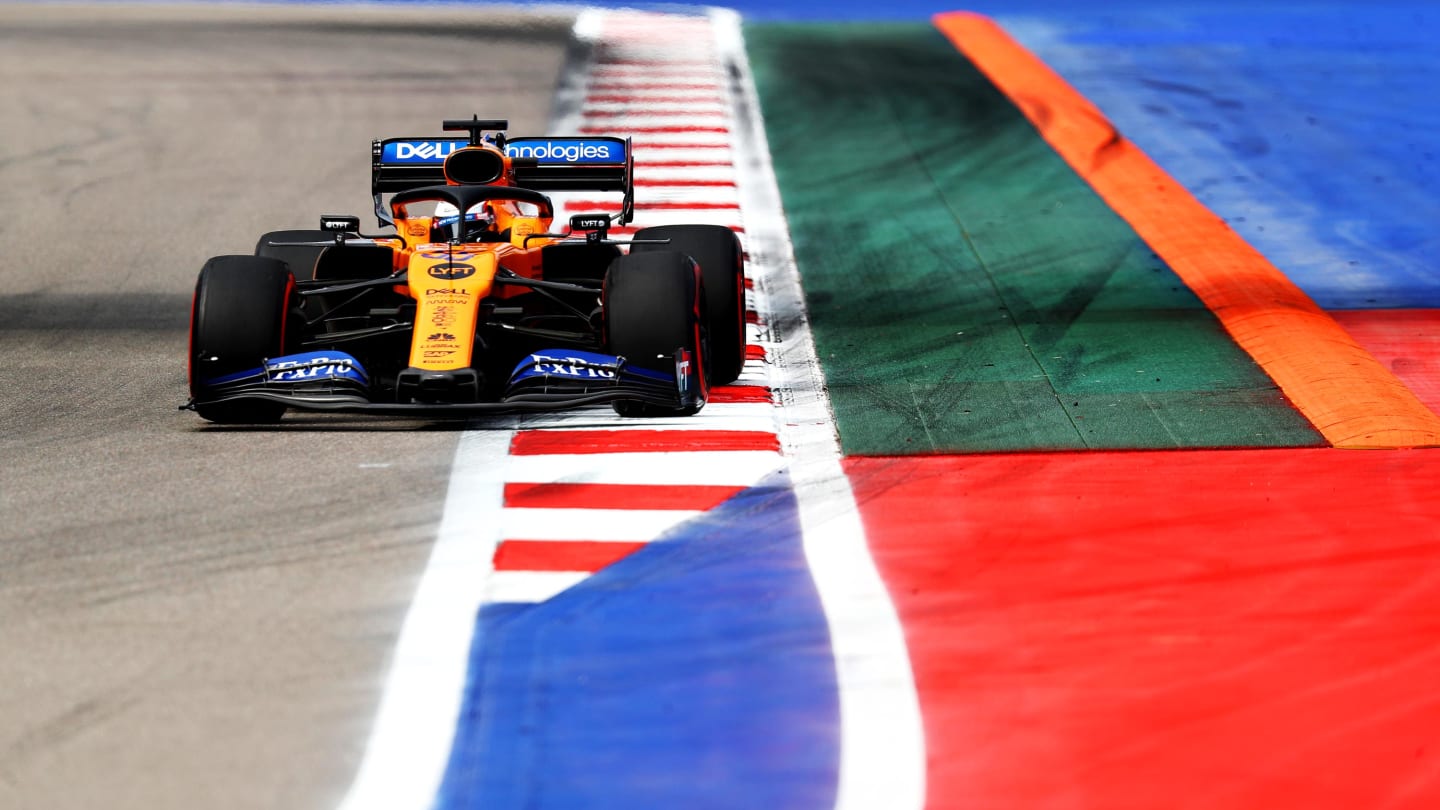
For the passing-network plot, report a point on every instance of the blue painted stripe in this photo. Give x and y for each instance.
(695, 673)
(1313, 129)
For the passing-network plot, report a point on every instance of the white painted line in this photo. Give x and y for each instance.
(882, 745)
(410, 741)
(530, 586)
(628, 525)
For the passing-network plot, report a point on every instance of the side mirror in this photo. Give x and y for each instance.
(337, 223)
(596, 226)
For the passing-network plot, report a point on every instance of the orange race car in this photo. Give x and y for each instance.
(475, 304)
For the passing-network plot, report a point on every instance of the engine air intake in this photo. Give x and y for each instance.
(474, 166)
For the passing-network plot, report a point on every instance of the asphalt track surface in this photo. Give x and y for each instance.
(191, 616)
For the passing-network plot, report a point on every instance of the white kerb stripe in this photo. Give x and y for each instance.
(741, 468)
(687, 194)
(705, 154)
(530, 586)
(627, 525)
(690, 173)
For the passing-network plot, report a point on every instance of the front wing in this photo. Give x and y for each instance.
(548, 380)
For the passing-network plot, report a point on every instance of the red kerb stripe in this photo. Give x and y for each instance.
(557, 442)
(686, 183)
(681, 164)
(607, 205)
(551, 555)
(616, 496)
(740, 393)
(718, 147)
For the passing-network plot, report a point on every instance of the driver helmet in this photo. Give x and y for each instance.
(478, 218)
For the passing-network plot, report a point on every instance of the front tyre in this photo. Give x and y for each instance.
(237, 322)
(653, 305)
(722, 266)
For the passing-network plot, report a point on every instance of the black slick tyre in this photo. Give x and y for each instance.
(238, 321)
(653, 305)
(722, 266)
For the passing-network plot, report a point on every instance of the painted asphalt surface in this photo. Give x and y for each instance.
(1201, 629)
(1269, 605)
(1206, 629)
(1134, 597)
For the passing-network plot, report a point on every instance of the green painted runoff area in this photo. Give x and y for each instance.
(967, 290)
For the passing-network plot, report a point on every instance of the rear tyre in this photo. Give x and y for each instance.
(301, 258)
(722, 265)
(237, 322)
(653, 305)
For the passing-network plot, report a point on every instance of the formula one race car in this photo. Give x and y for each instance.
(473, 305)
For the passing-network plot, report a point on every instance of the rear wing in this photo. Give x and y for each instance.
(540, 164)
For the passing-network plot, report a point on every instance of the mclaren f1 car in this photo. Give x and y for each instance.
(475, 303)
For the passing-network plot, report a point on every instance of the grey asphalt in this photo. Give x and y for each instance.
(192, 616)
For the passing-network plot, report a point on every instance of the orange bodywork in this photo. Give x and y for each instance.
(447, 305)
(450, 281)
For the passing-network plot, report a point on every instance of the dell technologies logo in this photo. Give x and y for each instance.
(421, 151)
(563, 150)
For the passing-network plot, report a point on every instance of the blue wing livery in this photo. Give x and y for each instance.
(569, 151)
